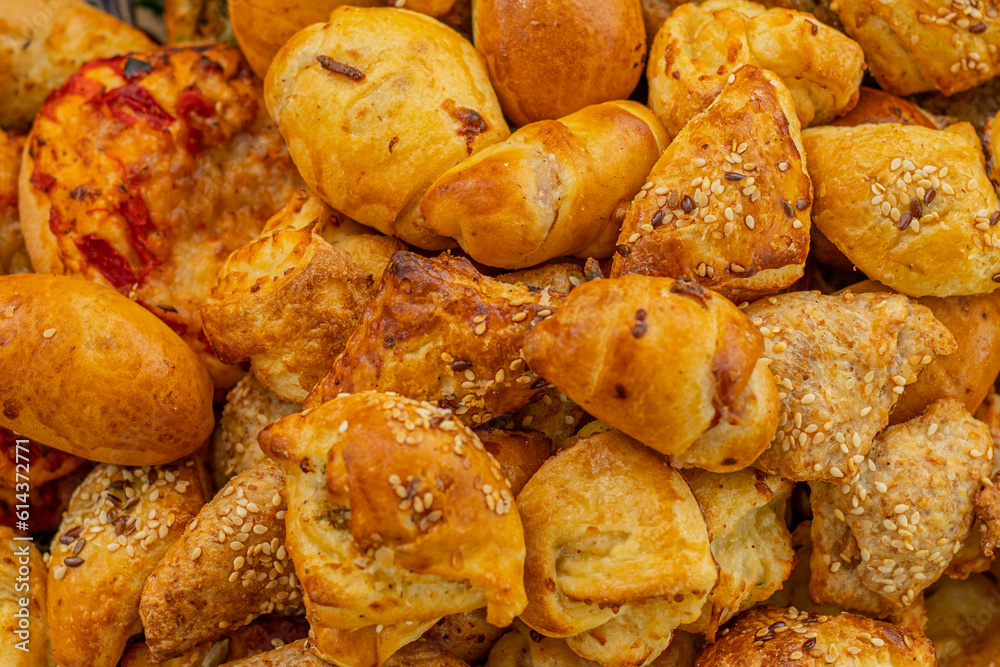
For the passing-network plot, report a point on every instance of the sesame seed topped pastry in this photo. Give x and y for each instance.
(229, 567)
(120, 523)
(889, 531)
(562, 277)
(700, 47)
(744, 512)
(22, 598)
(663, 360)
(375, 105)
(912, 207)
(618, 552)
(249, 408)
(13, 255)
(144, 172)
(727, 204)
(396, 513)
(840, 363)
(766, 636)
(438, 330)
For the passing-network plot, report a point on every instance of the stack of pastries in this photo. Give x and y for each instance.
(564, 333)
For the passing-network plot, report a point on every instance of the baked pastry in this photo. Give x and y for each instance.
(439, 537)
(229, 567)
(120, 523)
(910, 206)
(24, 622)
(976, 105)
(141, 399)
(700, 46)
(438, 330)
(466, 636)
(249, 408)
(548, 59)
(43, 42)
(744, 512)
(137, 655)
(44, 464)
(617, 550)
(144, 172)
(771, 635)
(266, 633)
(423, 654)
(962, 635)
(330, 85)
(660, 359)
(551, 189)
(518, 453)
(914, 46)
(561, 277)
(196, 21)
(370, 646)
(840, 363)
(878, 106)
(296, 654)
(288, 300)
(13, 255)
(655, 12)
(728, 203)
(902, 517)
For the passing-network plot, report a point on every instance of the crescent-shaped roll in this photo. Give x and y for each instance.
(700, 46)
(375, 105)
(617, 550)
(551, 189)
(910, 206)
(903, 516)
(728, 203)
(396, 513)
(662, 360)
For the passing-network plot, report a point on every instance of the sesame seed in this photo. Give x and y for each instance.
(808, 398)
(49, 333)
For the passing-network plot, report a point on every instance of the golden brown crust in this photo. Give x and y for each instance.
(120, 523)
(21, 457)
(388, 85)
(438, 330)
(266, 633)
(905, 514)
(657, 358)
(228, 567)
(551, 189)
(700, 47)
(43, 42)
(24, 621)
(296, 654)
(13, 255)
(370, 646)
(618, 553)
(962, 634)
(519, 453)
(549, 59)
(395, 491)
(468, 636)
(760, 637)
(910, 206)
(558, 277)
(148, 399)
(728, 203)
(425, 655)
(877, 106)
(840, 363)
(137, 655)
(145, 172)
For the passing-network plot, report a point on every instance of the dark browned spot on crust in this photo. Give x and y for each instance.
(688, 288)
(470, 123)
(331, 65)
(393, 143)
(620, 391)
(639, 330)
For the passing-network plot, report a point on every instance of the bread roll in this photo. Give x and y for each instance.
(550, 190)
(877, 106)
(659, 359)
(550, 58)
(24, 621)
(97, 375)
(375, 105)
(467, 636)
(700, 46)
(911, 207)
(728, 203)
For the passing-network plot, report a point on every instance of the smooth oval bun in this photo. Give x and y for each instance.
(549, 58)
(97, 375)
(263, 26)
(375, 105)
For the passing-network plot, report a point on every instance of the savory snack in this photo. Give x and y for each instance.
(396, 513)
(229, 567)
(366, 65)
(197, 21)
(552, 189)
(841, 363)
(518, 453)
(13, 255)
(438, 330)
(296, 654)
(962, 634)
(767, 636)
(744, 513)
(137, 655)
(903, 516)
(38, 463)
(144, 172)
(878, 106)
(662, 360)
(466, 636)
(912, 207)
(97, 375)
(701, 46)
(24, 621)
(913, 46)
(617, 550)
(120, 523)
(44, 41)
(727, 205)
(550, 58)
